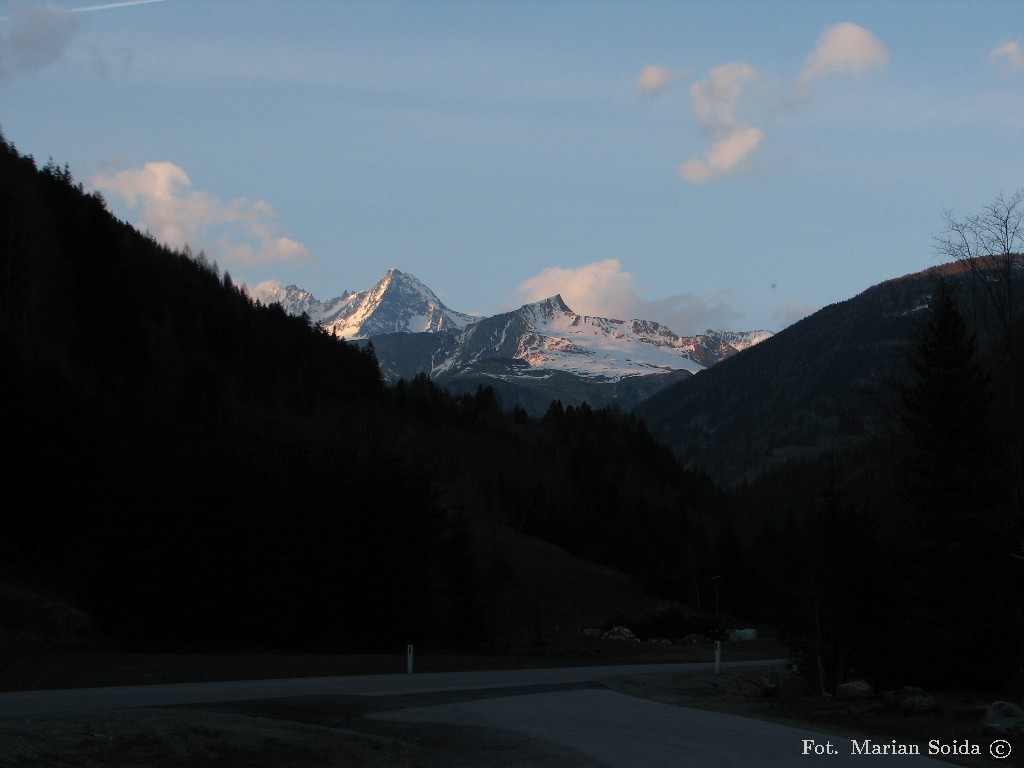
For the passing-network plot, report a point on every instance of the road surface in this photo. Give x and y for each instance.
(567, 707)
(614, 729)
(92, 699)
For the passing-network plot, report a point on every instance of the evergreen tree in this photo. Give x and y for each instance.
(945, 417)
(951, 548)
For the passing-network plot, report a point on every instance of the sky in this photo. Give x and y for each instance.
(706, 164)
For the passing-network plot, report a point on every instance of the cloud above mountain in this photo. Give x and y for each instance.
(593, 289)
(163, 202)
(605, 289)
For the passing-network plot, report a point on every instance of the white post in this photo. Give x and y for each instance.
(408, 659)
(718, 656)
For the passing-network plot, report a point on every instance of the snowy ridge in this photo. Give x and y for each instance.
(741, 340)
(545, 336)
(559, 339)
(398, 303)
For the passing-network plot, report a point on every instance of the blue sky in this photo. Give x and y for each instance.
(733, 165)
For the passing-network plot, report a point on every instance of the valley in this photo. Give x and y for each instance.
(251, 482)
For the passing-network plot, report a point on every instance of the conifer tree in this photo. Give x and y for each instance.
(945, 417)
(952, 557)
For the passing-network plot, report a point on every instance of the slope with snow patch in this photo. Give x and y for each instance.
(414, 332)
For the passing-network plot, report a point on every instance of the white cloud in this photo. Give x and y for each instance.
(600, 289)
(654, 79)
(239, 232)
(725, 156)
(35, 38)
(1007, 57)
(604, 289)
(733, 141)
(715, 99)
(845, 48)
(268, 292)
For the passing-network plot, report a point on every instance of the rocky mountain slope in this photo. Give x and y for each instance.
(535, 354)
(397, 303)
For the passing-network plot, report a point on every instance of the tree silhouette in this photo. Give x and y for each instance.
(952, 560)
(990, 246)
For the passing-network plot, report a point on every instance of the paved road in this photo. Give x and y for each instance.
(566, 706)
(623, 731)
(93, 699)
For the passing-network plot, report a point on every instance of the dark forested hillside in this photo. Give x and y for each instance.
(889, 539)
(168, 435)
(192, 468)
(804, 393)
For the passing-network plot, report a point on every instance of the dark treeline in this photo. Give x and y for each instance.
(194, 469)
(592, 481)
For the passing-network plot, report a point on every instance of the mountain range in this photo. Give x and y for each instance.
(794, 396)
(540, 352)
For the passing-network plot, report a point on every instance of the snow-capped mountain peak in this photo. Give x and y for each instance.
(397, 303)
(548, 335)
(545, 344)
(545, 309)
(740, 340)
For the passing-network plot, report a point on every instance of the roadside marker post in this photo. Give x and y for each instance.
(408, 659)
(718, 657)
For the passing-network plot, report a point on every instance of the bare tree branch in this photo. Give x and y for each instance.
(990, 248)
